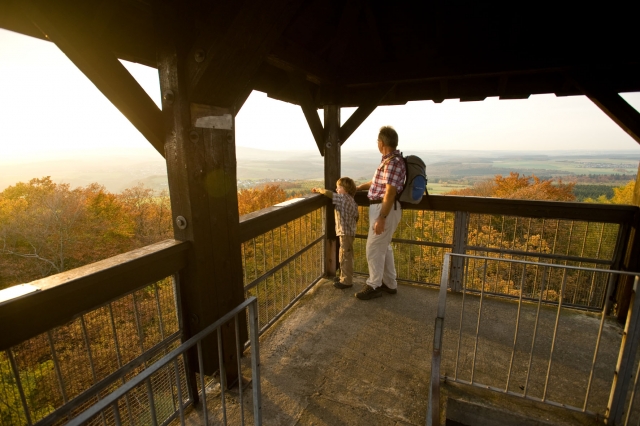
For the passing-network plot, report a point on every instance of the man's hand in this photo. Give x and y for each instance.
(378, 225)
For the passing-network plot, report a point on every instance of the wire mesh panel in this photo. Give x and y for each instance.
(534, 345)
(282, 264)
(60, 372)
(157, 395)
(420, 242)
(554, 241)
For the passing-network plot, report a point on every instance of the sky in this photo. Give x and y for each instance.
(50, 110)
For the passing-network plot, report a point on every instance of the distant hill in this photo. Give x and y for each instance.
(119, 170)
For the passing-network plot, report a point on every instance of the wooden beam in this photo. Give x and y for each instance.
(332, 162)
(305, 100)
(361, 114)
(62, 297)
(221, 66)
(347, 26)
(608, 213)
(103, 69)
(611, 103)
(257, 223)
(201, 167)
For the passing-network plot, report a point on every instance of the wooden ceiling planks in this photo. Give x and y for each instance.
(344, 48)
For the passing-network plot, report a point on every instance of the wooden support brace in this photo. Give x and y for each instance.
(103, 69)
(308, 108)
(361, 114)
(611, 103)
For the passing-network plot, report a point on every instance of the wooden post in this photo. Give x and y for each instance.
(201, 166)
(460, 234)
(631, 261)
(331, 176)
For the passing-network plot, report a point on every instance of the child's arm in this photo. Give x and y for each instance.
(323, 191)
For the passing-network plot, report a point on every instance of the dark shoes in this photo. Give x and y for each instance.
(338, 284)
(384, 287)
(369, 292)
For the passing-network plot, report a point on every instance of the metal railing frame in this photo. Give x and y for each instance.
(624, 367)
(463, 207)
(145, 377)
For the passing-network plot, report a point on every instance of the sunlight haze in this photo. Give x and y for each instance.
(50, 110)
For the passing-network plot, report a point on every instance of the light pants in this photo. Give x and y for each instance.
(379, 251)
(346, 259)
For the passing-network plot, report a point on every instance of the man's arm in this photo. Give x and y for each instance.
(387, 204)
(363, 186)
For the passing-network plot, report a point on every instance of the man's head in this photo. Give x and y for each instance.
(347, 184)
(388, 137)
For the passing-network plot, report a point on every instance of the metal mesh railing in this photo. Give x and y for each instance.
(420, 242)
(535, 346)
(423, 237)
(281, 265)
(59, 373)
(158, 395)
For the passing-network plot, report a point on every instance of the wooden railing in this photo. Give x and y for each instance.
(82, 332)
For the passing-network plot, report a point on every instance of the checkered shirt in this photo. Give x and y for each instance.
(391, 171)
(346, 210)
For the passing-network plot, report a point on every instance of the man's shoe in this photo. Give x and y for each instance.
(336, 279)
(384, 287)
(340, 285)
(368, 292)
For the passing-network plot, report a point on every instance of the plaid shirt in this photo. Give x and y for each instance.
(346, 210)
(391, 171)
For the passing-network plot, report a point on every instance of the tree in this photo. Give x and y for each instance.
(519, 187)
(48, 228)
(250, 200)
(621, 195)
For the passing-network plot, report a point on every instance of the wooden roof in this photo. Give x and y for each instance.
(349, 52)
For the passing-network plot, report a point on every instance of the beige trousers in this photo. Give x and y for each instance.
(346, 259)
(379, 251)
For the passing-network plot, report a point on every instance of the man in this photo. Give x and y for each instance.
(384, 216)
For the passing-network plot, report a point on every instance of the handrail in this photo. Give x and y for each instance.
(261, 221)
(64, 296)
(608, 213)
(145, 376)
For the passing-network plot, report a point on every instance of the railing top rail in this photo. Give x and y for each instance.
(608, 213)
(146, 374)
(526, 262)
(261, 221)
(62, 297)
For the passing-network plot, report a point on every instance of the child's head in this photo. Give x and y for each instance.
(348, 185)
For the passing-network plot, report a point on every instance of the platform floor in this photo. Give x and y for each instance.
(337, 360)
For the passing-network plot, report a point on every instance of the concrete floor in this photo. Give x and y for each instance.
(336, 360)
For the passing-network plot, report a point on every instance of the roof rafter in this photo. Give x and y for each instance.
(221, 66)
(363, 111)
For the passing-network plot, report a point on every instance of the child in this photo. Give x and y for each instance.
(346, 211)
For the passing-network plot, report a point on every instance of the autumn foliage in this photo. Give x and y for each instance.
(519, 187)
(47, 228)
(253, 199)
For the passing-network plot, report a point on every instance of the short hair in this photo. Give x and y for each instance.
(388, 136)
(348, 184)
